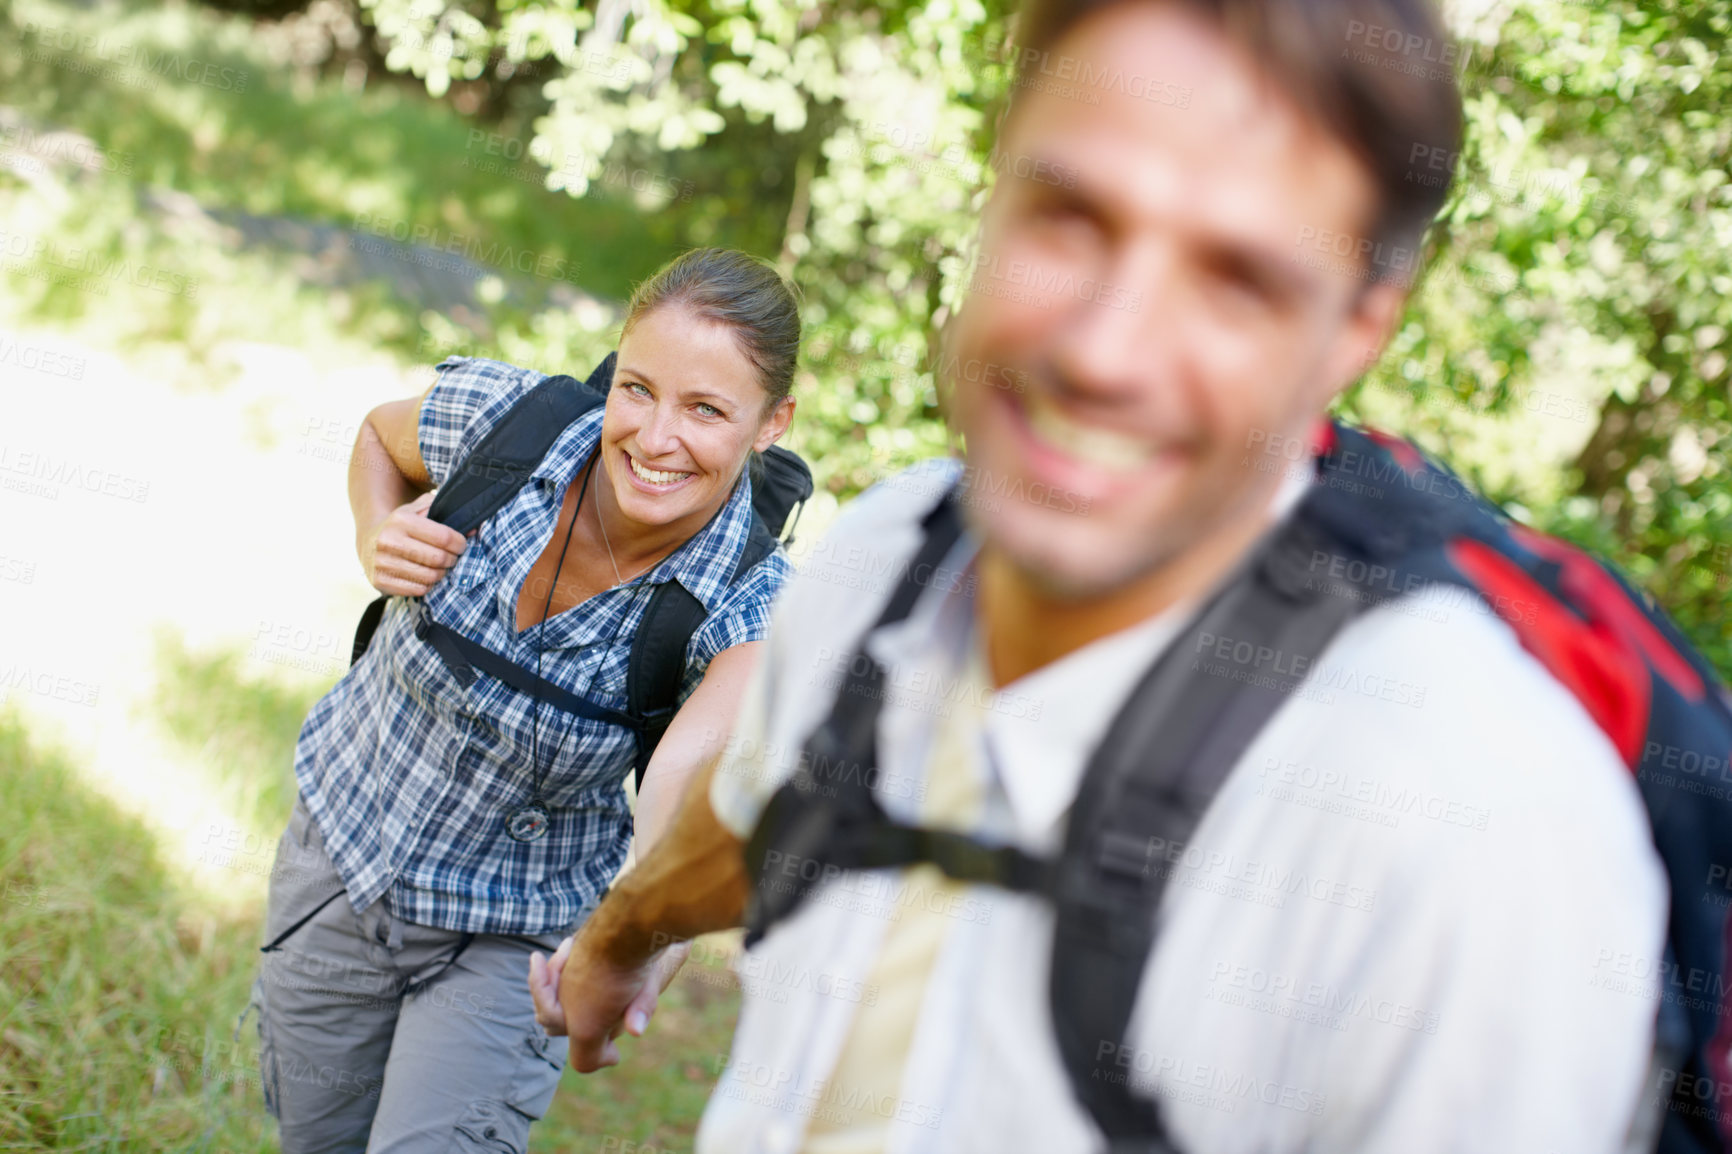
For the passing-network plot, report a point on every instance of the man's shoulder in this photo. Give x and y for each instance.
(1444, 687)
(842, 581)
(878, 531)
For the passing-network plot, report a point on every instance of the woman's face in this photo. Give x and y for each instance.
(685, 409)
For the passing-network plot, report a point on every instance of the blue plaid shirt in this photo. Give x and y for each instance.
(410, 776)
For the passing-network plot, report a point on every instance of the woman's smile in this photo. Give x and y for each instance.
(656, 480)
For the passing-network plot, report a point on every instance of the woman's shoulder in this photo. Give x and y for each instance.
(476, 383)
(469, 396)
(758, 586)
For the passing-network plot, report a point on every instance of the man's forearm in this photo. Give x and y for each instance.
(691, 882)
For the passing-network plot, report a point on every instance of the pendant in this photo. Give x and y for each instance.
(529, 822)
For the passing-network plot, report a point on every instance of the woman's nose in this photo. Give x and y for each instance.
(658, 434)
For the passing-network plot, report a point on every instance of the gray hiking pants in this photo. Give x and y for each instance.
(382, 1036)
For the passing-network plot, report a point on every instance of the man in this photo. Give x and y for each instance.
(1323, 979)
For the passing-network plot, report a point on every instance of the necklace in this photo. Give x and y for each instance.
(602, 525)
(531, 820)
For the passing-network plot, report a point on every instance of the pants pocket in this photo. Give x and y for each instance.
(267, 1050)
(303, 880)
(551, 1051)
(493, 1127)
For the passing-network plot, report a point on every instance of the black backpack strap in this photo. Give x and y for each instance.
(367, 626)
(826, 812)
(760, 543)
(463, 656)
(1145, 789)
(482, 482)
(499, 465)
(658, 664)
(658, 650)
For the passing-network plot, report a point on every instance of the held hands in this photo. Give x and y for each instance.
(407, 553)
(580, 994)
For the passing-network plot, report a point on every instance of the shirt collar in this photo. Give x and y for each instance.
(703, 565)
(1043, 726)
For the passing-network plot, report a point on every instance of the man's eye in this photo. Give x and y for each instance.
(1243, 284)
(1059, 212)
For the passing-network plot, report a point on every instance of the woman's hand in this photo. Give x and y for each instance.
(407, 552)
(544, 988)
(662, 973)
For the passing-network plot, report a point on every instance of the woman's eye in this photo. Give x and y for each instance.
(709, 410)
(635, 387)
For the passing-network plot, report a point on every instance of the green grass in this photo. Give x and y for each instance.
(118, 997)
(119, 991)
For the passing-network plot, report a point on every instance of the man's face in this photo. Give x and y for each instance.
(1139, 322)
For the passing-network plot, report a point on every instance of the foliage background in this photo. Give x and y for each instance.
(1580, 275)
(1569, 353)
(247, 221)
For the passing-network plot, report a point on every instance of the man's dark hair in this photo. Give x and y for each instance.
(1376, 74)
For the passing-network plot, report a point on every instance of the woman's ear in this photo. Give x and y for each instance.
(774, 425)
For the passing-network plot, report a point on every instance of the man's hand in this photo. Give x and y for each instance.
(691, 881)
(407, 553)
(582, 995)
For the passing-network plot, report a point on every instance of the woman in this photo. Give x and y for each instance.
(444, 832)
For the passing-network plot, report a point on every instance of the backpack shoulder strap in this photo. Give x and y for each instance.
(760, 543)
(499, 465)
(1143, 793)
(1190, 719)
(826, 812)
(482, 482)
(658, 651)
(658, 664)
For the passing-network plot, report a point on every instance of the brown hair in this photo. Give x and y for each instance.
(1374, 73)
(742, 292)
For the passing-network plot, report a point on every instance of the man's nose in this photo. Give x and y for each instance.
(1111, 331)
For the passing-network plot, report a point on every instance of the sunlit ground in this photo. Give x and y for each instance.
(222, 529)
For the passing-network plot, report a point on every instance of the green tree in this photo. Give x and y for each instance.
(1566, 348)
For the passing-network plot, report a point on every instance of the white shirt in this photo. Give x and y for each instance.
(1393, 931)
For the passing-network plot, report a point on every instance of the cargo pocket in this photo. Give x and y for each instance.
(548, 1051)
(267, 1051)
(303, 879)
(495, 1127)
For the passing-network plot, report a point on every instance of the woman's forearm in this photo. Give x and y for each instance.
(377, 482)
(697, 736)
